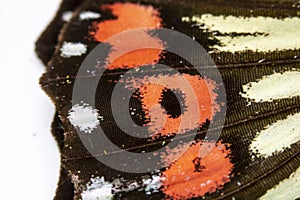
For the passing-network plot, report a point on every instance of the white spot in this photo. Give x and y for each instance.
(152, 184)
(272, 87)
(102, 190)
(98, 189)
(287, 189)
(84, 117)
(67, 15)
(277, 136)
(273, 33)
(127, 187)
(86, 15)
(70, 49)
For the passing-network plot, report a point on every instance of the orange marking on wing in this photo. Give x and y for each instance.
(151, 95)
(130, 16)
(193, 176)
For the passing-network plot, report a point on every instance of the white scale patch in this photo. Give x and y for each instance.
(84, 117)
(67, 15)
(276, 34)
(70, 49)
(98, 189)
(102, 190)
(275, 86)
(288, 189)
(86, 15)
(277, 136)
(152, 184)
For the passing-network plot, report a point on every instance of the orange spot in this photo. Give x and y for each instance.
(194, 175)
(130, 16)
(206, 105)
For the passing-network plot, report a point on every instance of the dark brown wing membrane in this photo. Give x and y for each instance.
(45, 46)
(65, 188)
(46, 43)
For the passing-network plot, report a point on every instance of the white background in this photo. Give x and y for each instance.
(29, 166)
